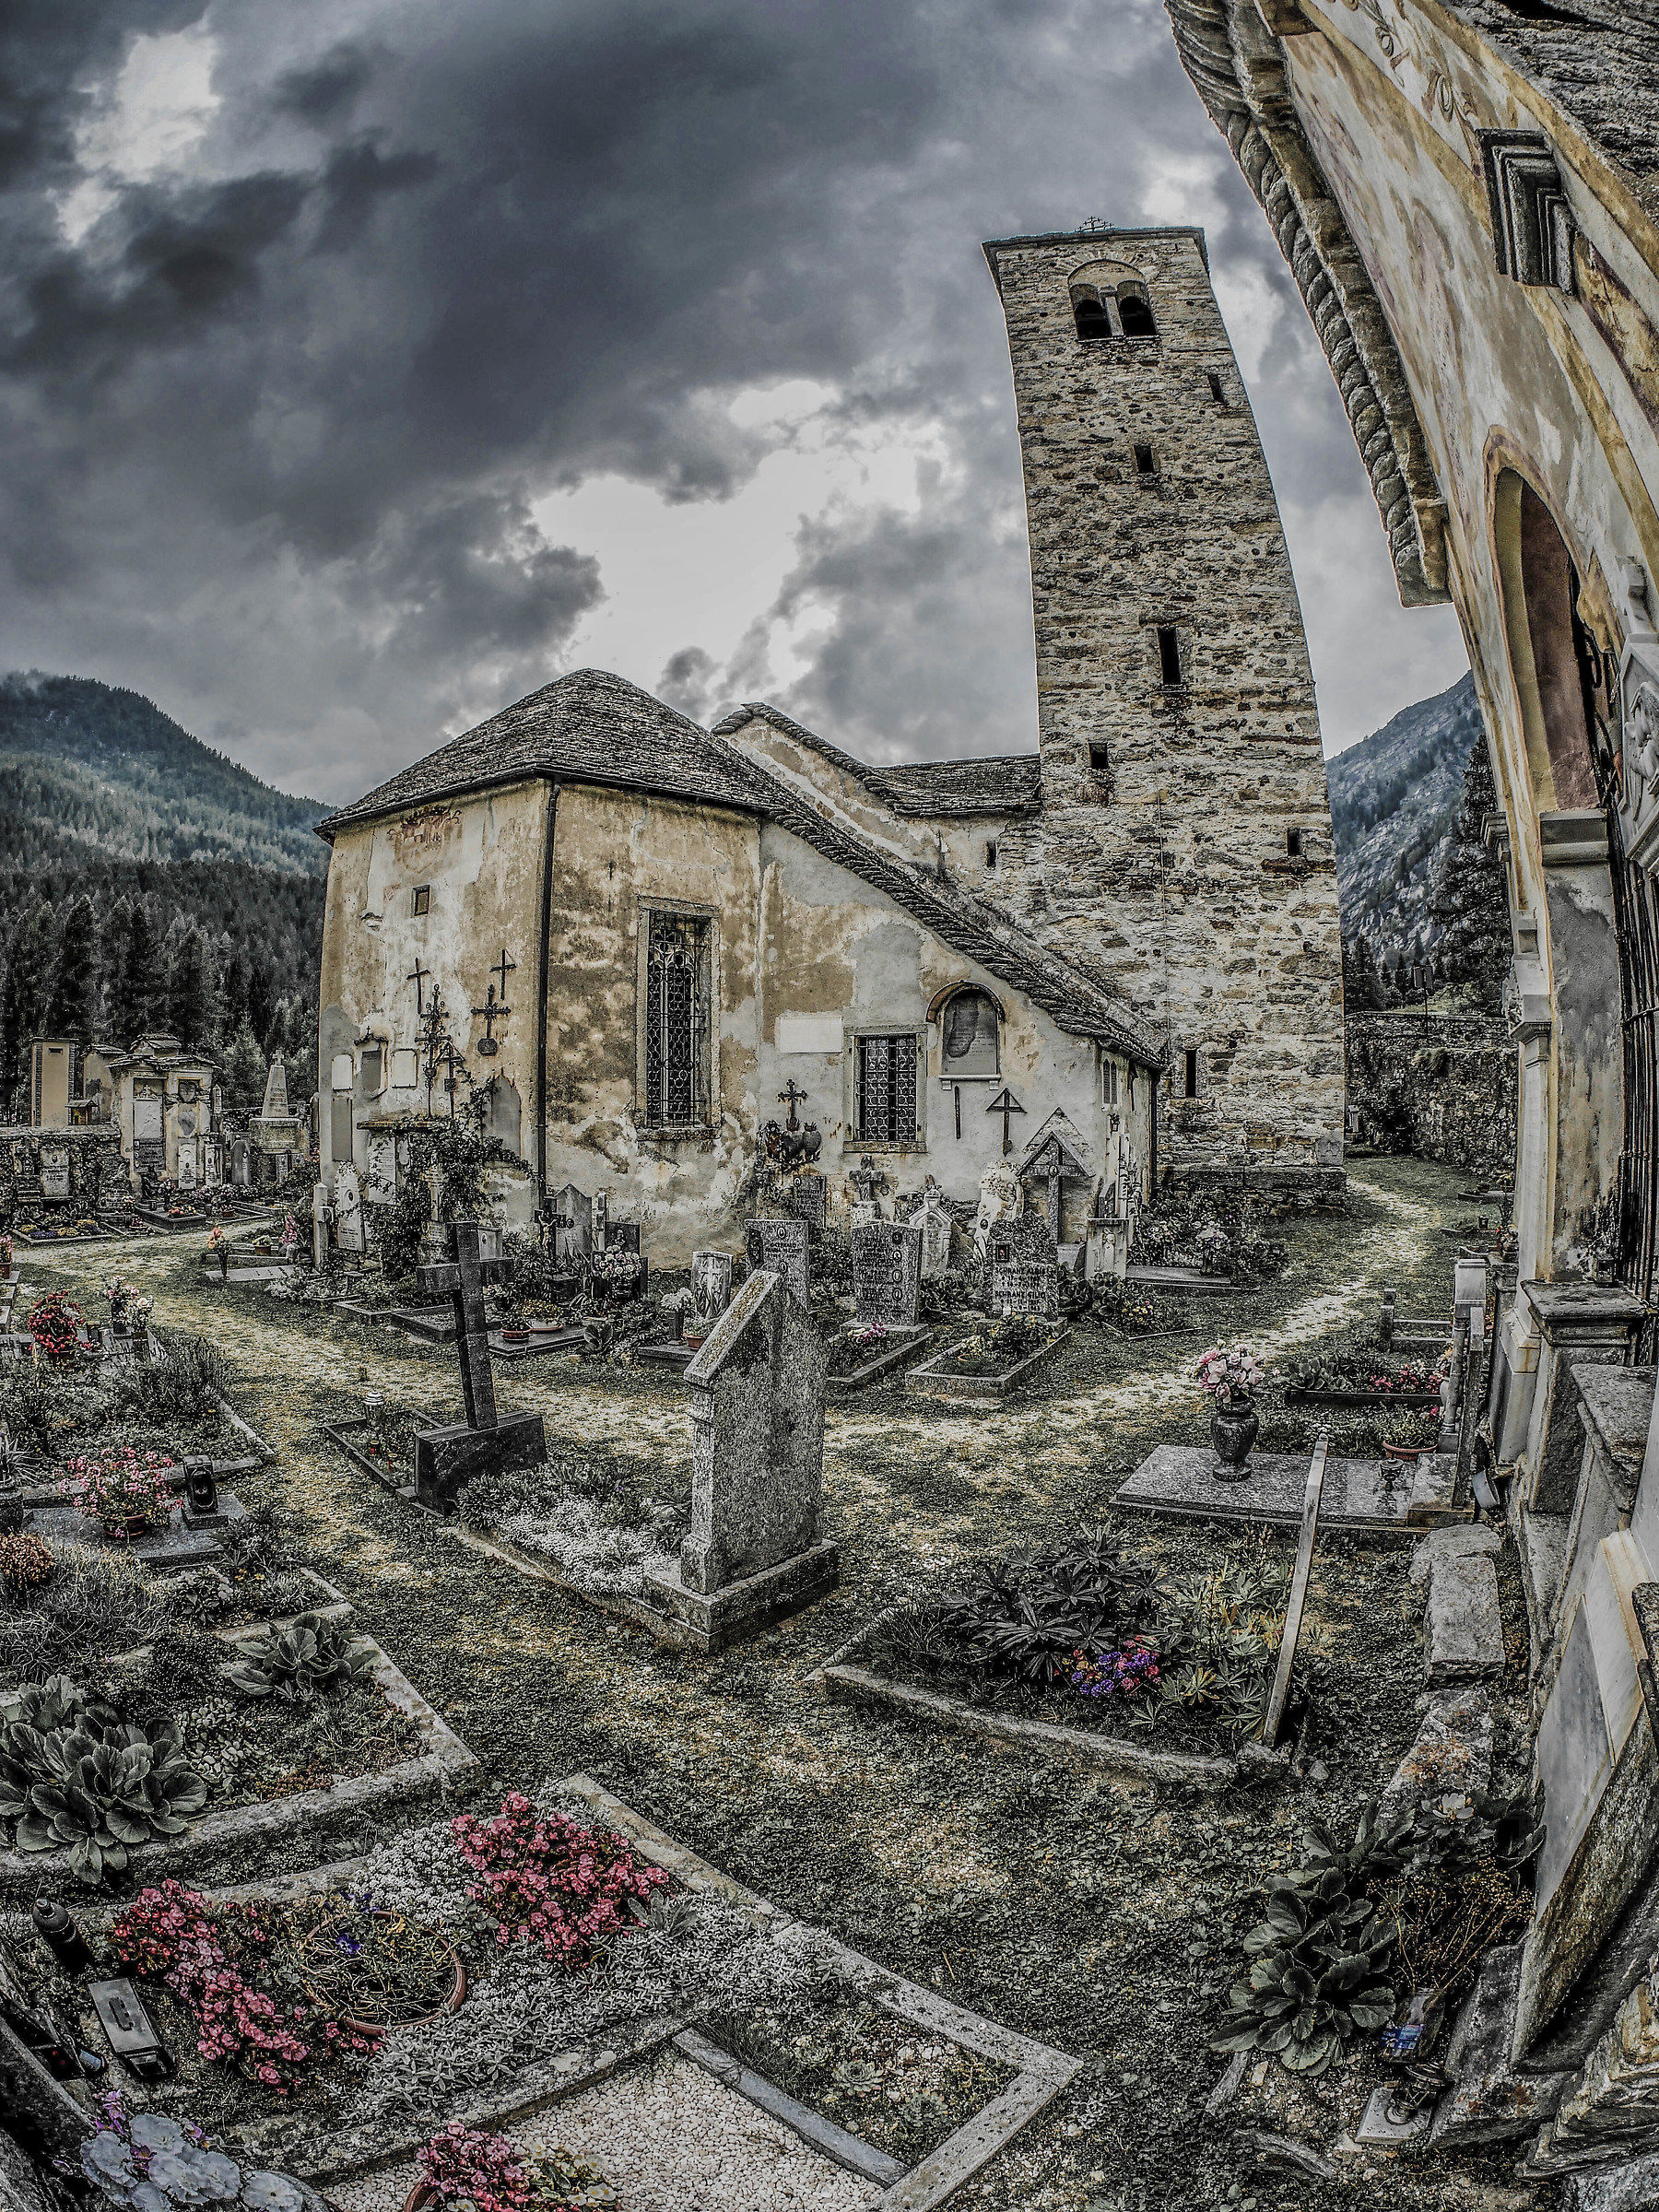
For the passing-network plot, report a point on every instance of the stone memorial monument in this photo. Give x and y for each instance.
(781, 1246)
(1002, 1198)
(1025, 1269)
(350, 1232)
(886, 1272)
(935, 1222)
(711, 1291)
(573, 1224)
(753, 1552)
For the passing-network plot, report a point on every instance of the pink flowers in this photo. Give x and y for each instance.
(1231, 1377)
(464, 2162)
(548, 1879)
(123, 1486)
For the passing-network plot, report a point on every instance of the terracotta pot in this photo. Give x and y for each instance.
(1232, 1433)
(418, 2197)
(515, 1336)
(452, 2002)
(1410, 1454)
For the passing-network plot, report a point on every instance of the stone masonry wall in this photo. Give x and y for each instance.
(1445, 1090)
(1162, 857)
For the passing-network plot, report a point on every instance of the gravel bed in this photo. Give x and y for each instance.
(671, 2138)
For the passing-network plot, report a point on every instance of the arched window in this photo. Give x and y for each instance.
(1093, 319)
(969, 1035)
(1135, 311)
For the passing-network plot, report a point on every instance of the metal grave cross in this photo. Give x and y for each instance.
(503, 969)
(486, 1442)
(489, 1013)
(1006, 1103)
(792, 1096)
(417, 976)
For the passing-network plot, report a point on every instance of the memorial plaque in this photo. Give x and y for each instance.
(886, 1272)
(710, 1290)
(1029, 1286)
(54, 1172)
(780, 1247)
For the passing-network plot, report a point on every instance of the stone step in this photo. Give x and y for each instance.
(1463, 1635)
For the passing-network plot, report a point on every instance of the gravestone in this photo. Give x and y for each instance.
(1001, 1199)
(711, 1290)
(807, 1198)
(886, 1272)
(322, 1217)
(54, 1172)
(600, 1230)
(573, 1224)
(1107, 1250)
(868, 1183)
(753, 1551)
(1026, 1286)
(933, 1220)
(350, 1231)
(781, 1247)
(486, 1442)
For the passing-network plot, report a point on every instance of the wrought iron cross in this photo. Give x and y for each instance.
(792, 1096)
(417, 976)
(503, 967)
(1006, 1103)
(489, 1013)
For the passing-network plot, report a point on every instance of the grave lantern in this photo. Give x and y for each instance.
(132, 2035)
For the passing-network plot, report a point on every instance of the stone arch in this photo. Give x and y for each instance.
(505, 1112)
(1540, 592)
(1109, 299)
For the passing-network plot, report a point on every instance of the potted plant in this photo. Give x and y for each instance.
(129, 1312)
(123, 1490)
(218, 1248)
(55, 1324)
(1406, 1432)
(8, 1265)
(492, 2173)
(1232, 1377)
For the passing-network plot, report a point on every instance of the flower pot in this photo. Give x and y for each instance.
(1232, 1433)
(418, 2197)
(515, 1336)
(694, 1338)
(1410, 1454)
(125, 1528)
(452, 2002)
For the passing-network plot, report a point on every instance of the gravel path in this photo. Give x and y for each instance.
(671, 2138)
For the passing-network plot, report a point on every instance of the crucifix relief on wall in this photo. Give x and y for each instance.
(1006, 1103)
(417, 976)
(792, 1096)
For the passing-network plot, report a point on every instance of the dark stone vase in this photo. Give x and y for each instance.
(1232, 1435)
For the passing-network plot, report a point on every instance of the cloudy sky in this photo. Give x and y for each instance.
(366, 363)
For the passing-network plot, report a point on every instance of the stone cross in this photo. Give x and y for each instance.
(1006, 1103)
(487, 1443)
(753, 1550)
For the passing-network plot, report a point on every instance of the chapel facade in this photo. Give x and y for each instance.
(644, 941)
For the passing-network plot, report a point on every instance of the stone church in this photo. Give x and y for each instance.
(647, 940)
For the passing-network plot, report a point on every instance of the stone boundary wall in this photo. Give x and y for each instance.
(1441, 1090)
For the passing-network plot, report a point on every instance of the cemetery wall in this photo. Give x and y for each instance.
(1442, 1090)
(480, 861)
(1184, 844)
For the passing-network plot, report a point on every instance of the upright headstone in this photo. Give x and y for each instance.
(322, 1215)
(1025, 1272)
(753, 1551)
(711, 1290)
(54, 1172)
(486, 1442)
(573, 1224)
(350, 1232)
(276, 1106)
(781, 1247)
(806, 1196)
(886, 1272)
(1002, 1198)
(935, 1222)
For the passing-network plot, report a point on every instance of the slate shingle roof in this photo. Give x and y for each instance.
(934, 790)
(592, 728)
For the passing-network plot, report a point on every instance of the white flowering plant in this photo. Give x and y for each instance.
(1233, 1375)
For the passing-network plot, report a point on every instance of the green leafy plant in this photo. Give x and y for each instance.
(1315, 1978)
(300, 1663)
(75, 1776)
(185, 1387)
(1025, 1621)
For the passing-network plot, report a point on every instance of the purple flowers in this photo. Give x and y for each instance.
(1128, 1672)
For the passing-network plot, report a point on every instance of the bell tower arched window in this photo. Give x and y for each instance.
(1135, 311)
(1092, 316)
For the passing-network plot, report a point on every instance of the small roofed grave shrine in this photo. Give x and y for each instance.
(487, 1443)
(1059, 1176)
(753, 1552)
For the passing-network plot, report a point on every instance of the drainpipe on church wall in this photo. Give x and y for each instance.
(541, 994)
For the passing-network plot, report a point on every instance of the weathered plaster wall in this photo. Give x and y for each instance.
(1169, 868)
(481, 861)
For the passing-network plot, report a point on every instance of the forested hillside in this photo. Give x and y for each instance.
(149, 883)
(1394, 797)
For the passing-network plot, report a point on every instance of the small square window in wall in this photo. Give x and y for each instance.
(1216, 393)
(1100, 763)
(1146, 461)
(420, 901)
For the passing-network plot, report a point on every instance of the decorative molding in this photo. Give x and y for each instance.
(1237, 65)
(1533, 228)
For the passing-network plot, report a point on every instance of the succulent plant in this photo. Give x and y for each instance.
(301, 1662)
(75, 1777)
(151, 2164)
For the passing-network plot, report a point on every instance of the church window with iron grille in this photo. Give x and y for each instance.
(675, 1020)
(887, 1089)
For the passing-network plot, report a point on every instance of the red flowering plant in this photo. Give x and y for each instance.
(122, 1486)
(55, 1324)
(226, 1965)
(466, 2165)
(1127, 1673)
(550, 1881)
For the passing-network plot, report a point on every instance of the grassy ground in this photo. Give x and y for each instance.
(1098, 1915)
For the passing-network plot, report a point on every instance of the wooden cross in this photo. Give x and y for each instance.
(503, 967)
(463, 1280)
(792, 1096)
(1006, 1103)
(418, 975)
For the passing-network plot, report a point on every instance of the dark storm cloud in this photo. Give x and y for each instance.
(280, 406)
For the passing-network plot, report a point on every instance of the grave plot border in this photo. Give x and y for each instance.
(339, 1433)
(444, 1766)
(837, 1679)
(565, 1340)
(931, 1380)
(1040, 2071)
(169, 1224)
(874, 1371)
(1189, 1282)
(1363, 1400)
(71, 1236)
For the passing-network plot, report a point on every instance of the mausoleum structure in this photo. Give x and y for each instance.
(1467, 193)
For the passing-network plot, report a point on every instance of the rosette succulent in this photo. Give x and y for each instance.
(75, 1777)
(153, 2164)
(301, 1662)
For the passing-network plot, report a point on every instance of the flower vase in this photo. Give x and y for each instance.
(1233, 1432)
